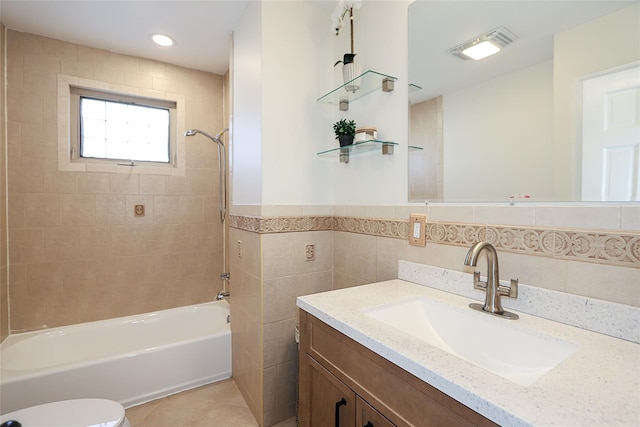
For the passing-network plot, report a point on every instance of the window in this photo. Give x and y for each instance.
(109, 126)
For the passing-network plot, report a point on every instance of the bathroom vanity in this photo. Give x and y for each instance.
(356, 370)
(344, 384)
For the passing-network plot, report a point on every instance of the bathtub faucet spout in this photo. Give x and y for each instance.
(222, 295)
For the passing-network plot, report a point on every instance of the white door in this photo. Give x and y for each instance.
(611, 136)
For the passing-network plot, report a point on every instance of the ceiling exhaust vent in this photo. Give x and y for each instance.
(500, 37)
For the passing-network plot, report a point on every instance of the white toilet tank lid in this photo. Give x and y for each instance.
(70, 413)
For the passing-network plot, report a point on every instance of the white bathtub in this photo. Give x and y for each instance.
(130, 359)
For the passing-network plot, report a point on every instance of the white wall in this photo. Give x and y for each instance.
(589, 48)
(246, 157)
(518, 139)
(284, 53)
(296, 64)
(381, 45)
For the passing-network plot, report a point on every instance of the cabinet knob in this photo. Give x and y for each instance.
(339, 403)
(368, 424)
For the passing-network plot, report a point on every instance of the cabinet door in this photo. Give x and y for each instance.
(332, 403)
(368, 416)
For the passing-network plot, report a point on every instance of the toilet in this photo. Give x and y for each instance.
(70, 413)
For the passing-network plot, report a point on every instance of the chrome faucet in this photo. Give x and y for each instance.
(222, 295)
(492, 287)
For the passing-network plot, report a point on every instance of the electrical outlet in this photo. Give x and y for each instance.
(239, 248)
(310, 254)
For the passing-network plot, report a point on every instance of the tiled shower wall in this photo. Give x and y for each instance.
(76, 251)
(356, 245)
(4, 308)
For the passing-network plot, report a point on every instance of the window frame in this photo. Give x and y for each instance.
(77, 92)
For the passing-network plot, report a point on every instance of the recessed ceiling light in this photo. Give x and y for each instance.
(162, 40)
(481, 50)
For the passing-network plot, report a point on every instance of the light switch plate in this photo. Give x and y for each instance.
(417, 236)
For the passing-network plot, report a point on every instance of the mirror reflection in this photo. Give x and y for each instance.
(553, 116)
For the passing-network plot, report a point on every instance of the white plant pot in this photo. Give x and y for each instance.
(349, 74)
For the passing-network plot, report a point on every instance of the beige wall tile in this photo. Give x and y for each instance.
(616, 284)
(89, 225)
(26, 246)
(388, 252)
(280, 294)
(178, 185)
(123, 184)
(110, 209)
(78, 209)
(589, 217)
(93, 183)
(60, 244)
(630, 218)
(279, 343)
(42, 210)
(505, 215)
(25, 176)
(152, 184)
(355, 255)
(60, 182)
(4, 214)
(451, 213)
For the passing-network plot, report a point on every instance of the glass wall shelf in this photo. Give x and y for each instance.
(367, 82)
(385, 147)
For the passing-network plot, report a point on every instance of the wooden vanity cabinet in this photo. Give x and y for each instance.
(344, 384)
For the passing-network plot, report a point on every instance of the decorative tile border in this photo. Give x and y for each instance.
(601, 247)
(577, 245)
(281, 224)
(393, 228)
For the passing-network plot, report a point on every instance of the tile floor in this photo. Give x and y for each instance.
(215, 405)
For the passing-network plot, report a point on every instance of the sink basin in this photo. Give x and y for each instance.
(515, 353)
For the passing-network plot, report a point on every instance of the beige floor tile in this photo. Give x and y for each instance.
(218, 404)
(214, 405)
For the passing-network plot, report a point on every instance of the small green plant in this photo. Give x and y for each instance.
(344, 127)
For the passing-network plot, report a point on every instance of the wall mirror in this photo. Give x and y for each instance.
(553, 116)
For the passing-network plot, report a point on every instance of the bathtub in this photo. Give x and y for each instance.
(131, 359)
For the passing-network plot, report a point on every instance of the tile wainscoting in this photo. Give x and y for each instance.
(598, 258)
(616, 248)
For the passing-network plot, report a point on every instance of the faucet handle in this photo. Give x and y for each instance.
(477, 283)
(511, 291)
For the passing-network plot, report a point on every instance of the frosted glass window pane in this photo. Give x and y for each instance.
(94, 148)
(94, 128)
(93, 109)
(116, 130)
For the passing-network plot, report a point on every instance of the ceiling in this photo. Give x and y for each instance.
(201, 29)
(437, 26)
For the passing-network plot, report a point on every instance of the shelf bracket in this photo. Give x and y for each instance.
(344, 155)
(387, 84)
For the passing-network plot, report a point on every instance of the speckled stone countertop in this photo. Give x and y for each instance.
(598, 385)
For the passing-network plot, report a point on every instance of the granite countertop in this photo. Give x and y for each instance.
(597, 385)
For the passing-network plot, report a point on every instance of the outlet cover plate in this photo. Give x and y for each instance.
(417, 236)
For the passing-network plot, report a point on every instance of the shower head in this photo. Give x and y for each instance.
(190, 132)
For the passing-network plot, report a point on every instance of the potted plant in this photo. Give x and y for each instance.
(350, 69)
(345, 131)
